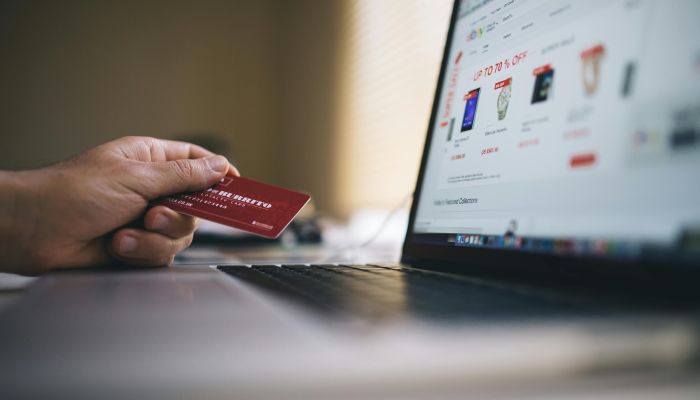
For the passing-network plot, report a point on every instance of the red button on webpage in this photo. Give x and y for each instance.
(582, 160)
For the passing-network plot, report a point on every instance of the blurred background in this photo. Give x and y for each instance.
(329, 97)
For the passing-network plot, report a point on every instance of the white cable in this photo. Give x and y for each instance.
(378, 232)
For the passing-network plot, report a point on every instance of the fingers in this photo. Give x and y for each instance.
(142, 148)
(171, 150)
(169, 223)
(158, 150)
(175, 150)
(167, 234)
(144, 248)
(156, 179)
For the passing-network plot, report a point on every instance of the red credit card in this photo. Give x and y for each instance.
(242, 203)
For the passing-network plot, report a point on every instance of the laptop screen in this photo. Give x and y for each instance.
(567, 127)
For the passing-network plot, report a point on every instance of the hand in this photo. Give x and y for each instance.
(93, 208)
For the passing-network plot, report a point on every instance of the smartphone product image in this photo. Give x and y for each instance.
(628, 79)
(544, 78)
(472, 99)
(452, 127)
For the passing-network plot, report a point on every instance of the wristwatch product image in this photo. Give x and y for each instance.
(503, 100)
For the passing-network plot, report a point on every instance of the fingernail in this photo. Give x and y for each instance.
(160, 222)
(128, 244)
(217, 163)
(233, 170)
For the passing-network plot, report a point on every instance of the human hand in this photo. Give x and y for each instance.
(92, 209)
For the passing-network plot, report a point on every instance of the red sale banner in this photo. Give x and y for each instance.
(593, 51)
(542, 69)
(503, 83)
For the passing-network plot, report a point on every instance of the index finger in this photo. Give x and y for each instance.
(176, 150)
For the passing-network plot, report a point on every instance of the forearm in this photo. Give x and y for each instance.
(17, 219)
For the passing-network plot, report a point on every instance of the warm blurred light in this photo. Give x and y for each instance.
(390, 58)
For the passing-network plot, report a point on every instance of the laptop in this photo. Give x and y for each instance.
(554, 233)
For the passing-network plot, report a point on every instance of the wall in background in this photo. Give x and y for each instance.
(389, 66)
(77, 73)
(306, 57)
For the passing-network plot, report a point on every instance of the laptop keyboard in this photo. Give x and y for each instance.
(381, 291)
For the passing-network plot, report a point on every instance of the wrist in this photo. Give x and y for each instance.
(19, 202)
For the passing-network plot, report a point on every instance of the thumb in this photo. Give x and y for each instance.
(184, 175)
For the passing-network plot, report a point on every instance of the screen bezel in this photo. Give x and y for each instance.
(507, 261)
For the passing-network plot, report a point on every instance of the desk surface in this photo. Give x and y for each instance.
(664, 383)
(12, 286)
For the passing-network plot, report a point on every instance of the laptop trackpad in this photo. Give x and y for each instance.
(152, 310)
